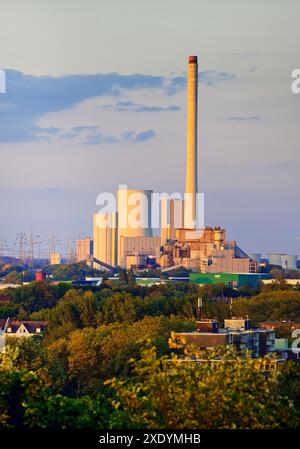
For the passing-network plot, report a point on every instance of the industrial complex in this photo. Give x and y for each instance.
(128, 235)
(182, 242)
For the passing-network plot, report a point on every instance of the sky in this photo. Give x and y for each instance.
(96, 98)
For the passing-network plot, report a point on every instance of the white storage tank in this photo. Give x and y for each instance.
(289, 262)
(275, 259)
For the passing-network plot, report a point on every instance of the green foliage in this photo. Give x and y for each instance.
(130, 277)
(289, 382)
(37, 295)
(73, 272)
(8, 310)
(76, 363)
(232, 393)
(15, 274)
(26, 402)
(57, 380)
(274, 305)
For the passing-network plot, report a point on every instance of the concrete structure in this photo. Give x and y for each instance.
(137, 247)
(183, 243)
(231, 279)
(55, 259)
(229, 259)
(164, 221)
(289, 262)
(105, 239)
(172, 218)
(133, 261)
(191, 154)
(275, 259)
(206, 250)
(237, 332)
(285, 261)
(134, 215)
(84, 249)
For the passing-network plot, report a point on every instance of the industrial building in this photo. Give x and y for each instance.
(84, 249)
(256, 257)
(237, 333)
(125, 237)
(135, 250)
(201, 250)
(206, 251)
(55, 259)
(105, 239)
(172, 218)
(287, 262)
(135, 235)
(128, 239)
(231, 279)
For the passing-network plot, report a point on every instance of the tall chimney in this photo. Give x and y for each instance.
(191, 153)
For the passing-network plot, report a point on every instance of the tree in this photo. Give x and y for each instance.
(84, 361)
(274, 305)
(131, 277)
(123, 276)
(25, 402)
(289, 380)
(120, 307)
(231, 393)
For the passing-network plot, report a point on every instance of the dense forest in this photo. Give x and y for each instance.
(107, 359)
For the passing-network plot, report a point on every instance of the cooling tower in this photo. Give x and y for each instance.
(191, 152)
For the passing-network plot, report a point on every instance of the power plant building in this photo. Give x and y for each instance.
(172, 218)
(285, 261)
(289, 262)
(202, 250)
(105, 238)
(275, 259)
(55, 259)
(182, 241)
(134, 217)
(255, 256)
(133, 250)
(84, 249)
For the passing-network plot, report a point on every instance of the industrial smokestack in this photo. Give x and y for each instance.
(191, 153)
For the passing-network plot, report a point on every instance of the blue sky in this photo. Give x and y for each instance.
(96, 97)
